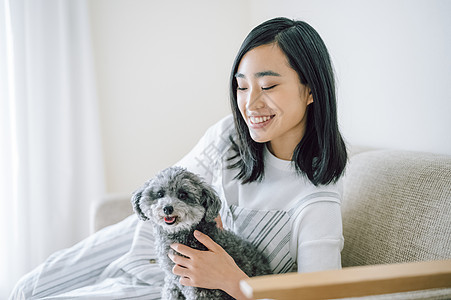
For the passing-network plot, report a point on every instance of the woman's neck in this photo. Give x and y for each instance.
(283, 147)
(279, 153)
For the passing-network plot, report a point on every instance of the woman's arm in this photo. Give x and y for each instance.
(319, 237)
(212, 269)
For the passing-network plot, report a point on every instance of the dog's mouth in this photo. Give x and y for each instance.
(170, 220)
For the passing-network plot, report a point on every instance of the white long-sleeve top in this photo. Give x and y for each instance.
(313, 212)
(296, 224)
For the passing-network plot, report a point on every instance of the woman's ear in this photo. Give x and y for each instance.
(310, 97)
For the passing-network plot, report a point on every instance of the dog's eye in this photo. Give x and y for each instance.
(183, 195)
(160, 194)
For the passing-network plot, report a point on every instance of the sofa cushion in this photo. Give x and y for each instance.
(109, 210)
(396, 207)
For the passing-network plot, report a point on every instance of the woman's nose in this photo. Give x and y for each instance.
(255, 100)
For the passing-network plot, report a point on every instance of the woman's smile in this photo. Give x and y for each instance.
(258, 122)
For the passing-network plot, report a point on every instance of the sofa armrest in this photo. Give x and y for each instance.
(352, 281)
(110, 210)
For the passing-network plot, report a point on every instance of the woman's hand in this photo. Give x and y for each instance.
(212, 269)
(219, 222)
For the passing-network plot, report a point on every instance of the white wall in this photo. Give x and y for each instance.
(163, 67)
(162, 72)
(393, 63)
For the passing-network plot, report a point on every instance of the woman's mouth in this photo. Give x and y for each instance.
(169, 220)
(260, 121)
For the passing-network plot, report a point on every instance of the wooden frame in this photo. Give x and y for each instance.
(351, 281)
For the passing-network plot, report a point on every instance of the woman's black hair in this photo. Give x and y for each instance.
(321, 154)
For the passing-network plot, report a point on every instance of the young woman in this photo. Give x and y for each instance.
(275, 163)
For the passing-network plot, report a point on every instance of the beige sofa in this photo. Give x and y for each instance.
(396, 209)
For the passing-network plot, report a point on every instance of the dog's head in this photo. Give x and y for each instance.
(176, 199)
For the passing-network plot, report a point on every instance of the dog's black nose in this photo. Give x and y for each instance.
(168, 210)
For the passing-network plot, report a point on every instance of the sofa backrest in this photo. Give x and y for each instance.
(396, 208)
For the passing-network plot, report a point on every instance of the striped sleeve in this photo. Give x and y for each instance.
(79, 265)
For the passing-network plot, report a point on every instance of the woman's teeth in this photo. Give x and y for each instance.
(257, 120)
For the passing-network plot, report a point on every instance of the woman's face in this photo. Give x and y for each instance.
(272, 100)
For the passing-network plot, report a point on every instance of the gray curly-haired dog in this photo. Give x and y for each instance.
(179, 202)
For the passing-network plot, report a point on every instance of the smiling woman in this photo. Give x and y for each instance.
(282, 83)
(275, 164)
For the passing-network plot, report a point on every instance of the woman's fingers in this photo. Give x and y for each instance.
(179, 260)
(203, 238)
(184, 250)
(219, 222)
(207, 241)
(180, 271)
(212, 269)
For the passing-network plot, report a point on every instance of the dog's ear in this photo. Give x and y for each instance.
(211, 202)
(136, 199)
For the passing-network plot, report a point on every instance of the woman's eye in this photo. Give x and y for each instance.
(241, 89)
(269, 87)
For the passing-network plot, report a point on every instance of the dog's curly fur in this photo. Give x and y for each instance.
(179, 202)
